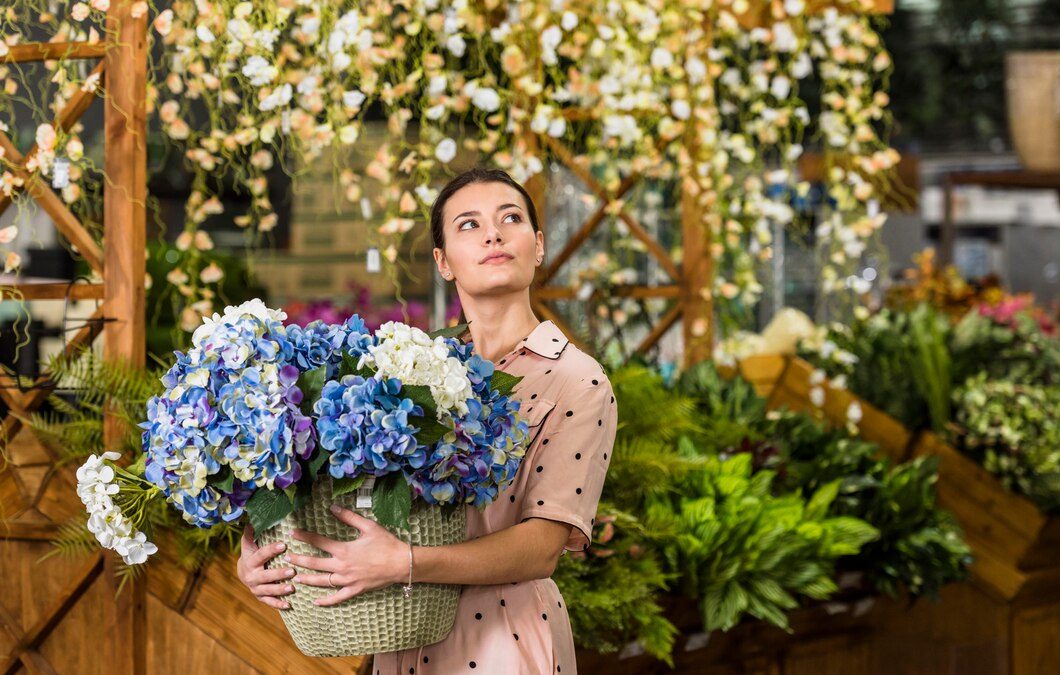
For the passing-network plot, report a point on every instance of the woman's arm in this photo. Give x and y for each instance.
(529, 550)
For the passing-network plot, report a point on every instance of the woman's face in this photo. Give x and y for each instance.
(490, 245)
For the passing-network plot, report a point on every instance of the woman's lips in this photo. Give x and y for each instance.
(497, 259)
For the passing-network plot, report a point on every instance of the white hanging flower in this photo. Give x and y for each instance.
(204, 34)
(456, 45)
(661, 58)
(353, 98)
(696, 69)
(569, 21)
(445, 151)
(680, 109)
(486, 99)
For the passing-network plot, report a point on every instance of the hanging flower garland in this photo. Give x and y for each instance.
(668, 89)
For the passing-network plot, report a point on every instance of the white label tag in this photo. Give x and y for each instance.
(364, 493)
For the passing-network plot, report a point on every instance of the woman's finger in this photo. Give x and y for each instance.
(318, 540)
(277, 603)
(263, 576)
(341, 595)
(325, 580)
(264, 590)
(314, 563)
(353, 519)
(266, 553)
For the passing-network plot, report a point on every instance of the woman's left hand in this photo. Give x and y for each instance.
(375, 559)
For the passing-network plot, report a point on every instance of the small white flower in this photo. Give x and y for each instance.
(445, 151)
(204, 34)
(486, 99)
(456, 45)
(569, 21)
(353, 99)
(854, 412)
(817, 396)
(661, 58)
(680, 109)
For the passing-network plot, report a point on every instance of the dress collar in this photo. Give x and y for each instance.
(546, 339)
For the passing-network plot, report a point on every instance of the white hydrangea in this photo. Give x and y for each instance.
(255, 308)
(410, 355)
(95, 485)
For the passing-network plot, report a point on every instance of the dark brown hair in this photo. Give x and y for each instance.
(476, 175)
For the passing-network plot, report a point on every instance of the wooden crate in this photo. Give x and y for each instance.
(1016, 546)
(793, 392)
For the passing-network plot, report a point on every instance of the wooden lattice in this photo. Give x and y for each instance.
(121, 69)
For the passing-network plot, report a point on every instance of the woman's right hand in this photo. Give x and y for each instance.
(266, 584)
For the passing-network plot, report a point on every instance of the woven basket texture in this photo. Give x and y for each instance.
(376, 621)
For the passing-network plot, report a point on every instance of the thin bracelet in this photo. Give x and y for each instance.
(408, 588)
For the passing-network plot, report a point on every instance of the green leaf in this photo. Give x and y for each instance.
(267, 507)
(345, 485)
(503, 382)
(319, 459)
(349, 367)
(430, 430)
(392, 500)
(421, 396)
(454, 331)
(222, 480)
(311, 383)
(302, 494)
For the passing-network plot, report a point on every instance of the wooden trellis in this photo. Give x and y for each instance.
(30, 515)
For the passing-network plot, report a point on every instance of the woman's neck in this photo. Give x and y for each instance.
(497, 327)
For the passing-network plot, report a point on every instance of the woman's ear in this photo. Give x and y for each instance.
(540, 247)
(443, 264)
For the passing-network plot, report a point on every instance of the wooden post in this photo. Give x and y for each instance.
(124, 197)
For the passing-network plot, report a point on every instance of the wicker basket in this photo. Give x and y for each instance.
(380, 620)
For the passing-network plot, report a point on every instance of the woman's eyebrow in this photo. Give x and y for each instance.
(479, 213)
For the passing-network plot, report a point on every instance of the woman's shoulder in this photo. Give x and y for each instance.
(580, 370)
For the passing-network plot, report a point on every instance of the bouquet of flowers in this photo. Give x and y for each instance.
(280, 421)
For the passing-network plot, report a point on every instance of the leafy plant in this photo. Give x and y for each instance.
(612, 588)
(744, 551)
(920, 548)
(1012, 430)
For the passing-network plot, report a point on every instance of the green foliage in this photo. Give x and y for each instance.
(1012, 430)
(744, 551)
(649, 407)
(1020, 352)
(931, 369)
(920, 547)
(612, 591)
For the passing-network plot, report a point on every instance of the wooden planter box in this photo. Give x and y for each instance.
(1016, 546)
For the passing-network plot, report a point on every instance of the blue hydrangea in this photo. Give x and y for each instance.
(364, 424)
(233, 401)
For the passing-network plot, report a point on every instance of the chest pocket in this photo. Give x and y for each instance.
(535, 412)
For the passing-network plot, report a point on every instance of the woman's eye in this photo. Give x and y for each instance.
(513, 215)
(466, 222)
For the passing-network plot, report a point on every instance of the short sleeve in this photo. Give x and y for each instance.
(567, 470)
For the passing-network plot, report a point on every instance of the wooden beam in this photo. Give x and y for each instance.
(125, 227)
(49, 51)
(660, 328)
(28, 530)
(28, 289)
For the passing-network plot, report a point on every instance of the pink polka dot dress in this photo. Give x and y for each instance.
(523, 627)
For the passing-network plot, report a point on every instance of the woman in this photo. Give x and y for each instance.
(511, 617)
